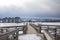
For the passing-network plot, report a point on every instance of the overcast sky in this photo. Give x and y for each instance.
(29, 8)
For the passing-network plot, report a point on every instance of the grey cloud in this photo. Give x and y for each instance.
(52, 6)
(35, 8)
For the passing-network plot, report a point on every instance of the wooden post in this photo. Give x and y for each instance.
(12, 36)
(48, 28)
(24, 29)
(55, 33)
(7, 30)
(39, 29)
(17, 35)
(1, 30)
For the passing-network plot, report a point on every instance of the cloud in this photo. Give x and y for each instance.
(29, 7)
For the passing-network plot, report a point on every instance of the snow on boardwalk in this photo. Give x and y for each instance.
(30, 37)
(31, 34)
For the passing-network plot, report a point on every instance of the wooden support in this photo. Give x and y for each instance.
(39, 30)
(12, 36)
(55, 33)
(17, 35)
(24, 29)
(5, 35)
(47, 35)
(48, 28)
(7, 30)
(1, 30)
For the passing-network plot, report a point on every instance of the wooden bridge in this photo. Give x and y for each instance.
(10, 31)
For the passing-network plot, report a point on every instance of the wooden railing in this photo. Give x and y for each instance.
(21, 28)
(11, 32)
(47, 27)
(35, 27)
(48, 35)
(53, 28)
(9, 35)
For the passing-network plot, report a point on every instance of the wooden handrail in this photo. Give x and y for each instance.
(3, 35)
(47, 35)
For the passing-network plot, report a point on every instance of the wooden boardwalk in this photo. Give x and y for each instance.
(31, 30)
(31, 34)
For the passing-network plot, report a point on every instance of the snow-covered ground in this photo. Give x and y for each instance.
(47, 23)
(30, 37)
(11, 24)
(20, 32)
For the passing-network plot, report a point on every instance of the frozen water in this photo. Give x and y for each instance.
(30, 37)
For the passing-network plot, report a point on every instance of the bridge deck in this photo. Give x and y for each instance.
(31, 34)
(31, 30)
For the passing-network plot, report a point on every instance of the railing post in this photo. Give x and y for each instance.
(13, 37)
(39, 28)
(7, 30)
(55, 33)
(17, 35)
(47, 35)
(24, 30)
(1, 30)
(48, 28)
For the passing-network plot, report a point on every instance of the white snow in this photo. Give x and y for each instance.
(30, 37)
(11, 24)
(20, 32)
(47, 23)
(50, 23)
